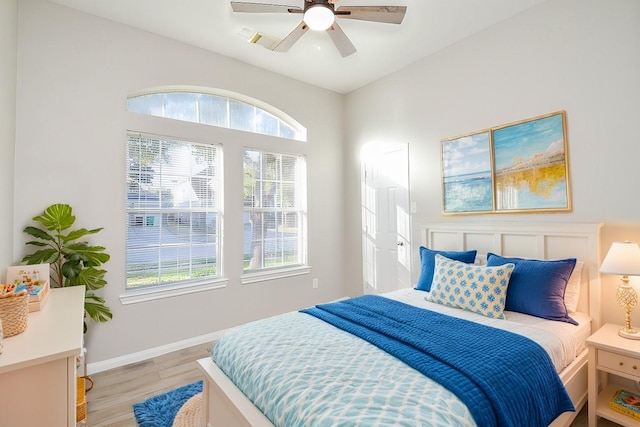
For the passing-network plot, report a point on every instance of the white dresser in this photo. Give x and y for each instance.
(38, 366)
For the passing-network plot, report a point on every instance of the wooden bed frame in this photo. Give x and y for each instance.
(224, 405)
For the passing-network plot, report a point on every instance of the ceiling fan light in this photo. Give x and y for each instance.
(318, 17)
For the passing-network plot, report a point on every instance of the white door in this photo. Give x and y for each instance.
(386, 220)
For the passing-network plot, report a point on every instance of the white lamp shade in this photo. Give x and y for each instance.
(319, 17)
(623, 258)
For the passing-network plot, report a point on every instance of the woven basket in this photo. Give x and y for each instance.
(81, 401)
(190, 414)
(14, 313)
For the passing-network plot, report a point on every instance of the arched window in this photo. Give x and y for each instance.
(175, 185)
(232, 111)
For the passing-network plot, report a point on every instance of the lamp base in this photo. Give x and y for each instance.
(630, 333)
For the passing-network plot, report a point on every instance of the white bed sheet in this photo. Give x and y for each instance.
(563, 341)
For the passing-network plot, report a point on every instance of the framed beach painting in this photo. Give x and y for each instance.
(531, 169)
(517, 167)
(467, 182)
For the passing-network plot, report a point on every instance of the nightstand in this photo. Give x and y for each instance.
(610, 353)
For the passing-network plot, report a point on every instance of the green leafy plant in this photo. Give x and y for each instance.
(73, 262)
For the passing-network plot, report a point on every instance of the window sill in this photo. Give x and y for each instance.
(136, 296)
(274, 274)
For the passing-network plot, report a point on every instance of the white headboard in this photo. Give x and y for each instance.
(529, 240)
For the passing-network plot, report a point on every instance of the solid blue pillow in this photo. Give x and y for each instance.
(428, 260)
(537, 287)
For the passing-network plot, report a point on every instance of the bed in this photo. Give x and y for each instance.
(398, 391)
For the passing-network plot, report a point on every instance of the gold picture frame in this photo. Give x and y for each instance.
(529, 168)
(467, 174)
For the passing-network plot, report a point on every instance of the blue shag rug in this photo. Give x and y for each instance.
(161, 410)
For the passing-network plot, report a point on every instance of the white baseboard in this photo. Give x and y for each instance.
(116, 362)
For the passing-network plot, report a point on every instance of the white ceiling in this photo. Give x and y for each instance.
(429, 26)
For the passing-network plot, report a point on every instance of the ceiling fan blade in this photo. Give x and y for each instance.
(239, 6)
(340, 39)
(385, 14)
(293, 37)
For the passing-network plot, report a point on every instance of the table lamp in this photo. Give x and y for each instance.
(623, 258)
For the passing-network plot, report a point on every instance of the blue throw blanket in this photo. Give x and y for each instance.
(504, 379)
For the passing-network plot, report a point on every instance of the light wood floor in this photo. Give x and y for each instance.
(109, 403)
(115, 391)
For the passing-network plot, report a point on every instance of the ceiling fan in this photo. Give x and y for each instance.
(320, 15)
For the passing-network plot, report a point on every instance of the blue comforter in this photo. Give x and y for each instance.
(503, 378)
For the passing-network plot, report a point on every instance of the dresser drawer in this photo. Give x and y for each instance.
(617, 362)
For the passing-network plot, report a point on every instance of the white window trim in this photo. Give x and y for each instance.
(276, 273)
(135, 296)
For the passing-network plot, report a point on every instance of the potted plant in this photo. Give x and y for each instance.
(73, 262)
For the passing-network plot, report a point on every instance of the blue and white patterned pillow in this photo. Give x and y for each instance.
(477, 288)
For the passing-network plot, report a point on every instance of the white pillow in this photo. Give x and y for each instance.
(572, 291)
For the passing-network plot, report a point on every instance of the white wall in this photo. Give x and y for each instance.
(75, 73)
(8, 53)
(582, 56)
